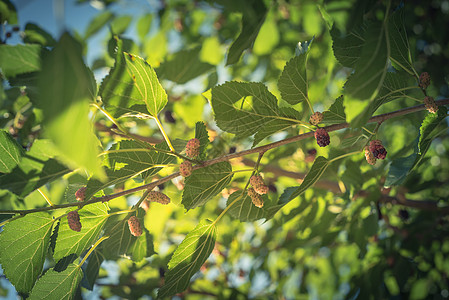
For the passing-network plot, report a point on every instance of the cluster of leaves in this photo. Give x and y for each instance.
(349, 243)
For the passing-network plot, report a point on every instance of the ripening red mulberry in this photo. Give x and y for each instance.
(134, 226)
(255, 198)
(193, 148)
(430, 105)
(158, 197)
(185, 168)
(73, 218)
(80, 193)
(377, 149)
(258, 184)
(316, 118)
(424, 80)
(322, 137)
(369, 156)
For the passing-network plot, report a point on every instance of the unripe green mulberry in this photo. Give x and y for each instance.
(193, 148)
(73, 218)
(185, 168)
(134, 226)
(158, 197)
(316, 118)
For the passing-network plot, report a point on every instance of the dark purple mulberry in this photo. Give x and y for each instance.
(322, 137)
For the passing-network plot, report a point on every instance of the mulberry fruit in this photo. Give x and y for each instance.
(73, 219)
(369, 156)
(316, 118)
(185, 168)
(193, 148)
(134, 226)
(80, 193)
(424, 80)
(258, 184)
(430, 105)
(322, 137)
(255, 198)
(377, 149)
(158, 197)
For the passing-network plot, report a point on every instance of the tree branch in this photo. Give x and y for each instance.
(375, 119)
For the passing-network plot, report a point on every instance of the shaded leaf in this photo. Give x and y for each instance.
(36, 168)
(371, 68)
(348, 48)
(97, 23)
(184, 66)
(400, 49)
(253, 17)
(92, 218)
(55, 285)
(188, 258)
(336, 113)
(143, 25)
(205, 183)
(11, 152)
(293, 81)
(244, 209)
(36, 35)
(202, 134)
(120, 24)
(127, 159)
(67, 86)
(92, 269)
(319, 166)
(19, 59)
(24, 244)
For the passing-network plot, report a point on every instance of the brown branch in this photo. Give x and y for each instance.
(375, 119)
(418, 204)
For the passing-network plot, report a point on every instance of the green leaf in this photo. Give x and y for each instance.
(400, 49)
(92, 218)
(58, 285)
(319, 166)
(394, 87)
(67, 86)
(188, 258)
(205, 183)
(11, 152)
(293, 81)
(36, 168)
(120, 24)
(23, 246)
(132, 87)
(202, 134)
(420, 289)
(184, 66)
(336, 113)
(97, 23)
(243, 108)
(121, 243)
(143, 25)
(371, 68)
(127, 159)
(19, 59)
(400, 168)
(8, 12)
(92, 269)
(244, 209)
(275, 125)
(254, 13)
(36, 35)
(347, 49)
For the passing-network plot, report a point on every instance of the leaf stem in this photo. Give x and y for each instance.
(227, 208)
(45, 197)
(344, 155)
(92, 249)
(159, 124)
(12, 219)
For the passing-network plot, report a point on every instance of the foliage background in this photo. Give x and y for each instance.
(341, 239)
